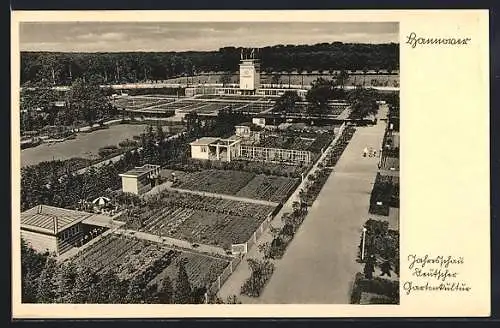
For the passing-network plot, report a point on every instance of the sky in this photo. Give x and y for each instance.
(200, 36)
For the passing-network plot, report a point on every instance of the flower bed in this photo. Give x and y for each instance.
(217, 181)
(194, 165)
(333, 157)
(130, 257)
(201, 270)
(198, 219)
(268, 187)
(239, 183)
(381, 242)
(277, 247)
(385, 193)
(386, 291)
(261, 273)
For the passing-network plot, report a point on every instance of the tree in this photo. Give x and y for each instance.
(342, 78)
(286, 102)
(160, 133)
(108, 290)
(32, 265)
(275, 79)
(166, 291)
(87, 101)
(319, 96)
(151, 295)
(225, 78)
(66, 279)
(183, 291)
(84, 285)
(46, 282)
(136, 288)
(363, 102)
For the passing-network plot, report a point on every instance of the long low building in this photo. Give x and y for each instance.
(57, 230)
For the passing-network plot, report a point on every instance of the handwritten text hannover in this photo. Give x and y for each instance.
(413, 40)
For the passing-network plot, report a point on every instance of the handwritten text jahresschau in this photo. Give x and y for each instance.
(413, 40)
(442, 261)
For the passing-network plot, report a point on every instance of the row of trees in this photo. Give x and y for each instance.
(63, 68)
(55, 182)
(46, 281)
(85, 102)
(363, 101)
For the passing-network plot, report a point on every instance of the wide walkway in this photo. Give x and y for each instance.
(233, 284)
(320, 263)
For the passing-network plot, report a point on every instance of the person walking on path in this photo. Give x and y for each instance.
(365, 151)
(386, 268)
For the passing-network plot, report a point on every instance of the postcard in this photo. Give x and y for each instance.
(250, 164)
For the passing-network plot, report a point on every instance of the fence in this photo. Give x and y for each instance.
(275, 154)
(244, 247)
(226, 273)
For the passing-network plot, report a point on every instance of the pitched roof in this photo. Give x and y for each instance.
(44, 218)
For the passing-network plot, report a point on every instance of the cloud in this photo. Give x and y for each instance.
(161, 36)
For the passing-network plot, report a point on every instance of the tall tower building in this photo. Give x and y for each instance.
(249, 72)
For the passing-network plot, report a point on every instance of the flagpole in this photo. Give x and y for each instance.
(363, 244)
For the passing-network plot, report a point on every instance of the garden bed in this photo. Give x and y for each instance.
(374, 291)
(198, 219)
(130, 257)
(381, 242)
(385, 194)
(239, 183)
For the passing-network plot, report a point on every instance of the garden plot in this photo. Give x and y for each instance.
(390, 163)
(129, 257)
(217, 181)
(239, 183)
(125, 256)
(385, 194)
(216, 229)
(204, 227)
(201, 269)
(270, 188)
(197, 218)
(140, 103)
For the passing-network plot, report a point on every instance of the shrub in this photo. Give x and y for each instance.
(261, 273)
(388, 289)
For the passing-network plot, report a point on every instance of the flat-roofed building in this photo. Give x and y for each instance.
(57, 230)
(139, 180)
(216, 148)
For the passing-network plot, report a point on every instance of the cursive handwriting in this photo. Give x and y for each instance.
(410, 286)
(413, 40)
(442, 261)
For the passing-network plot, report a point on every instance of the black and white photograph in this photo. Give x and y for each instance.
(209, 162)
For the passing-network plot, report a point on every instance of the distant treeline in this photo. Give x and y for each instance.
(61, 68)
